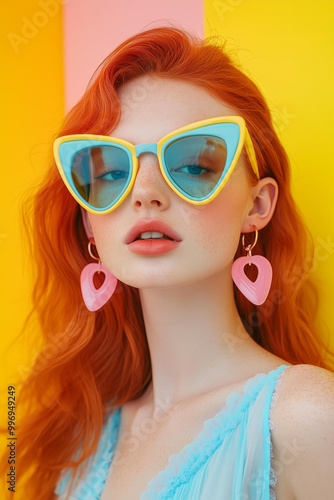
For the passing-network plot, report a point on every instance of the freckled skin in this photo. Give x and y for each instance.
(210, 233)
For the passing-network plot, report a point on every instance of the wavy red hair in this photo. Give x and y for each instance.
(92, 363)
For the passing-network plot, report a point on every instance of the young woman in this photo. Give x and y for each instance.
(181, 358)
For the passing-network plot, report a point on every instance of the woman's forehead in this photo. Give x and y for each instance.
(152, 107)
(147, 90)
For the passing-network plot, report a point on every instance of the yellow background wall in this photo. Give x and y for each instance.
(287, 48)
(32, 105)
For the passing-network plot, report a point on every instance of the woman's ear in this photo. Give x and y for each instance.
(86, 223)
(264, 197)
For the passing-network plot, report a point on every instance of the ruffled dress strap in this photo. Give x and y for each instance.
(184, 465)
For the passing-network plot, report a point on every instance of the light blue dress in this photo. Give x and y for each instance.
(230, 459)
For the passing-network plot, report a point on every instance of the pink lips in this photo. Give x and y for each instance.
(157, 225)
(152, 246)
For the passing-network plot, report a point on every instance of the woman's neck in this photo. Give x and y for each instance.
(196, 339)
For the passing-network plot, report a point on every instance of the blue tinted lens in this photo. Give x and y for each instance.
(196, 164)
(100, 174)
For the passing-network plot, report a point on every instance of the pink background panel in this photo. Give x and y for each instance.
(93, 29)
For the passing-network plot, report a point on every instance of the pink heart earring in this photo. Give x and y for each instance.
(95, 298)
(256, 292)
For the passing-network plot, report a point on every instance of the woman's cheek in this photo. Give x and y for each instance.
(104, 235)
(218, 228)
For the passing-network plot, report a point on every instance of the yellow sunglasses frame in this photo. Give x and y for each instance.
(244, 139)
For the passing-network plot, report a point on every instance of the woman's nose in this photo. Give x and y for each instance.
(150, 188)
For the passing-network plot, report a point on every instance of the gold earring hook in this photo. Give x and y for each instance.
(93, 256)
(250, 247)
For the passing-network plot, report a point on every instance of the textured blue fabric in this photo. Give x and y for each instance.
(230, 459)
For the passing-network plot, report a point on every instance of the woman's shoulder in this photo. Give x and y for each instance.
(303, 430)
(304, 386)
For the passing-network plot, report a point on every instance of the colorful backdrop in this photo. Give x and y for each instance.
(50, 48)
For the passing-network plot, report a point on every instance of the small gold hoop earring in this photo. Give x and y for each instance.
(93, 256)
(250, 247)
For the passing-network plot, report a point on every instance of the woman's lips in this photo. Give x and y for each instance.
(149, 225)
(152, 246)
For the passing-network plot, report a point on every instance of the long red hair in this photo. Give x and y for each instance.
(92, 363)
